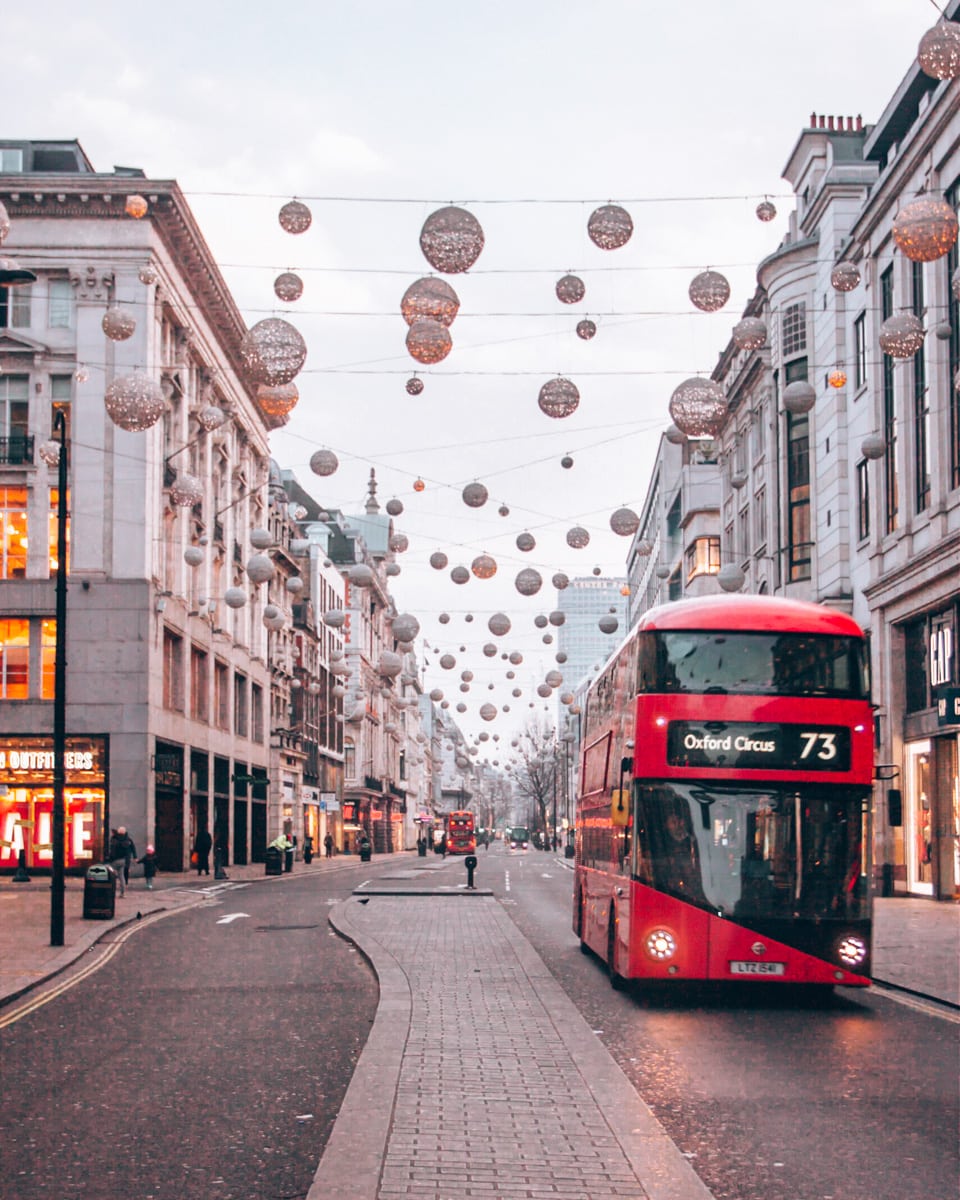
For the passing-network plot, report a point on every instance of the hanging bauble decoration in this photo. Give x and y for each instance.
(444, 618)
(147, 274)
(609, 227)
(118, 324)
(390, 664)
(193, 556)
(578, 537)
(566, 698)
(360, 575)
(392, 569)
(484, 566)
(799, 396)
(447, 661)
(766, 211)
(709, 291)
(466, 676)
(259, 568)
(557, 617)
(323, 462)
(490, 650)
(528, 582)
(901, 336)
(432, 299)
(566, 462)
(334, 618)
(731, 578)
(955, 284)
(460, 575)
(405, 627)
(438, 560)
(451, 240)
(419, 485)
(560, 581)
(295, 217)
(499, 624)
(698, 407)
(586, 329)
(135, 206)
(925, 229)
(399, 543)
(516, 657)
(277, 400)
(428, 341)
(526, 542)
(738, 479)
(845, 277)
(436, 695)
(294, 585)
(134, 402)
(675, 436)
(624, 521)
(874, 445)
(288, 287)
(570, 289)
(750, 334)
(394, 507)
(663, 571)
(942, 332)
(837, 378)
(544, 690)
(270, 613)
(272, 352)
(234, 597)
(540, 620)
(597, 571)
(503, 511)
(414, 386)
(939, 52)
(49, 452)
(561, 656)
(608, 623)
(475, 495)
(211, 417)
(559, 398)
(186, 491)
(553, 679)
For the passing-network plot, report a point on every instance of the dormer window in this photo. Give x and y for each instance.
(11, 162)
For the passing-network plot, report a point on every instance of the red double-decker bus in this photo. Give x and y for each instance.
(461, 838)
(723, 807)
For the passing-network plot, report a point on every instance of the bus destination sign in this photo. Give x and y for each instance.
(755, 747)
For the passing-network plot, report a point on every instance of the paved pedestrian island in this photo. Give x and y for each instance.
(480, 1078)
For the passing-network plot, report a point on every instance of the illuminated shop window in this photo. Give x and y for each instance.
(14, 659)
(703, 557)
(13, 541)
(52, 532)
(48, 656)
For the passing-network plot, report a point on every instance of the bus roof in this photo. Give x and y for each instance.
(760, 613)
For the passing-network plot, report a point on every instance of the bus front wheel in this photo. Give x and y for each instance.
(617, 981)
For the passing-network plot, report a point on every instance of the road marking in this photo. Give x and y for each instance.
(506, 876)
(918, 1003)
(546, 875)
(231, 917)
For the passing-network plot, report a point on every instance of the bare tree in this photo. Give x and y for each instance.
(536, 768)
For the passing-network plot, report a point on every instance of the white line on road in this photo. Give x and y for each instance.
(231, 917)
(506, 877)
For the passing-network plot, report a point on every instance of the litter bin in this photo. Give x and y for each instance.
(365, 850)
(99, 893)
(273, 861)
(288, 859)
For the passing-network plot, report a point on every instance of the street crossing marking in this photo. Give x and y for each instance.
(231, 917)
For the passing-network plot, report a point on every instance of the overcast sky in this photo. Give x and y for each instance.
(530, 113)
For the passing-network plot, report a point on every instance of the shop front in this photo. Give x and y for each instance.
(26, 802)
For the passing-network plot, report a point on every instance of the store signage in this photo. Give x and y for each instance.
(948, 707)
(941, 651)
(757, 747)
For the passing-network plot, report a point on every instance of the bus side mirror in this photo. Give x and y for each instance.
(620, 807)
(894, 807)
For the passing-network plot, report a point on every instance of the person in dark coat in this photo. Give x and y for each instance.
(120, 855)
(202, 848)
(149, 864)
(328, 845)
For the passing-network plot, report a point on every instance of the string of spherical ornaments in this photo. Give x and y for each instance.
(460, 575)
(901, 336)
(610, 227)
(414, 387)
(528, 582)
(428, 341)
(272, 352)
(234, 597)
(211, 417)
(577, 537)
(295, 217)
(118, 324)
(323, 462)
(586, 329)
(570, 289)
(135, 206)
(698, 407)
(608, 623)
(134, 402)
(186, 490)
(939, 51)
(925, 229)
(259, 568)
(405, 627)
(499, 624)
(799, 396)
(484, 566)
(559, 398)
(560, 581)
(438, 560)
(475, 495)
(399, 543)
(394, 507)
(451, 240)
(279, 399)
(709, 291)
(766, 211)
(430, 299)
(750, 334)
(625, 522)
(360, 575)
(526, 542)
(845, 277)
(288, 287)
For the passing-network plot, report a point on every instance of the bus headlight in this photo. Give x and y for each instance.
(852, 951)
(661, 944)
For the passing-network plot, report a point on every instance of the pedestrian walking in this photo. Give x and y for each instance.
(120, 854)
(201, 847)
(328, 845)
(443, 844)
(149, 864)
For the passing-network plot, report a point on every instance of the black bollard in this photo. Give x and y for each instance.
(218, 871)
(20, 874)
(470, 862)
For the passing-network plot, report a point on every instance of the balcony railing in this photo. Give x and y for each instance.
(16, 450)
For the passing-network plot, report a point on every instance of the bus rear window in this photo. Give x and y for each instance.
(757, 664)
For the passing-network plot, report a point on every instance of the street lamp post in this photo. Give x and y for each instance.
(59, 690)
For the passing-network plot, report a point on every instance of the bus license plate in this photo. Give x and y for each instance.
(758, 968)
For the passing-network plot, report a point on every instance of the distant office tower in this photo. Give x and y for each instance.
(584, 603)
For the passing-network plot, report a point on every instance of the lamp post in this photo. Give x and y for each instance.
(59, 689)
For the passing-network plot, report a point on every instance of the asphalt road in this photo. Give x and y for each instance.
(771, 1098)
(205, 1061)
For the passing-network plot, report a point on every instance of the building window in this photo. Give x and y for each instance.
(703, 557)
(953, 391)
(199, 684)
(241, 720)
(61, 397)
(891, 496)
(760, 517)
(743, 533)
(921, 405)
(756, 431)
(915, 665)
(48, 659)
(256, 712)
(16, 445)
(798, 495)
(53, 539)
(860, 351)
(11, 162)
(172, 671)
(221, 694)
(60, 315)
(793, 329)
(14, 659)
(863, 499)
(15, 306)
(13, 539)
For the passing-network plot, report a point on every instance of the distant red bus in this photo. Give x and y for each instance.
(461, 838)
(723, 807)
